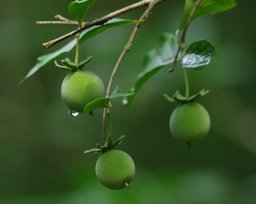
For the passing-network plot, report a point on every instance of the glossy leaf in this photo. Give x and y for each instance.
(207, 7)
(79, 8)
(85, 35)
(198, 54)
(162, 55)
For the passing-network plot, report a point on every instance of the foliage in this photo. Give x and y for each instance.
(79, 8)
(85, 35)
(207, 7)
(170, 49)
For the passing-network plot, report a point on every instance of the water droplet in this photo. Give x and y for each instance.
(127, 185)
(193, 60)
(125, 101)
(73, 113)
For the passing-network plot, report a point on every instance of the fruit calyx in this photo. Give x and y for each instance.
(181, 99)
(109, 145)
(71, 66)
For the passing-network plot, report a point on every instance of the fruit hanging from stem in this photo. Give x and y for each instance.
(189, 122)
(115, 169)
(80, 87)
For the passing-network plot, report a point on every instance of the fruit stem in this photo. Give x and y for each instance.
(185, 74)
(109, 133)
(107, 125)
(77, 49)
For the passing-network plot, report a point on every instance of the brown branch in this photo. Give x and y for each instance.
(60, 20)
(183, 34)
(192, 13)
(127, 47)
(100, 21)
(57, 22)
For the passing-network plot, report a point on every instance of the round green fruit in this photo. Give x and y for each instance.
(80, 87)
(115, 169)
(189, 122)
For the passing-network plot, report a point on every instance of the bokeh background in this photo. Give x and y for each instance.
(41, 145)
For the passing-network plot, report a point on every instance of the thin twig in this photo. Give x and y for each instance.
(60, 20)
(127, 47)
(100, 21)
(183, 34)
(57, 22)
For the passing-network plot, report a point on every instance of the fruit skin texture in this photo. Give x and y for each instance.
(189, 122)
(115, 169)
(80, 87)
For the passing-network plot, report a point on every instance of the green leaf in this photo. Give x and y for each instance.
(85, 35)
(99, 29)
(79, 8)
(162, 55)
(103, 102)
(96, 103)
(198, 54)
(207, 7)
(46, 59)
(118, 93)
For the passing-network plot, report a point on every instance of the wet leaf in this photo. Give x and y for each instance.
(198, 54)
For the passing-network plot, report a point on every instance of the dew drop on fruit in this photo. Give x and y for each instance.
(73, 113)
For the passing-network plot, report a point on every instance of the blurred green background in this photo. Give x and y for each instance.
(41, 159)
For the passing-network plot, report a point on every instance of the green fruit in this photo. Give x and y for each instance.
(115, 169)
(189, 122)
(80, 87)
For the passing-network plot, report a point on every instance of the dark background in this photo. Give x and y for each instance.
(41, 159)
